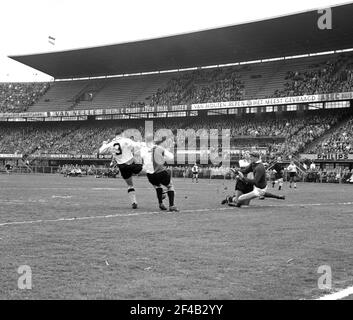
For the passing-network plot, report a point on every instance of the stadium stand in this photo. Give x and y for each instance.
(116, 92)
(293, 77)
(60, 96)
(18, 97)
(339, 141)
(289, 135)
(188, 81)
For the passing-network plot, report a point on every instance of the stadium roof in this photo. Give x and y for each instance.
(276, 37)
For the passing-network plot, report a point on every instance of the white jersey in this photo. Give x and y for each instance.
(195, 169)
(154, 158)
(121, 148)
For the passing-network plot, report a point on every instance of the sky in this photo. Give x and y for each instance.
(25, 25)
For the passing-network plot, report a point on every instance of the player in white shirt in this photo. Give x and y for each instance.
(195, 173)
(154, 157)
(123, 151)
(292, 169)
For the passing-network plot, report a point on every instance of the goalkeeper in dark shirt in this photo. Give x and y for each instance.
(248, 189)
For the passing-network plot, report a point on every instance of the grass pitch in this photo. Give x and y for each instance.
(82, 240)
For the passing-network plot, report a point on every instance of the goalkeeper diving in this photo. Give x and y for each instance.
(251, 183)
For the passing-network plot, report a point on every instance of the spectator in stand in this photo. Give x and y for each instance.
(334, 75)
(340, 141)
(17, 97)
(65, 138)
(312, 166)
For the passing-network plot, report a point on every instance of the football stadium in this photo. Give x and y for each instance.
(278, 90)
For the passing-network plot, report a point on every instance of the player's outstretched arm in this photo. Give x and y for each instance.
(105, 147)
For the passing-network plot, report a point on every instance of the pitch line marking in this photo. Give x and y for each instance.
(338, 295)
(155, 212)
(43, 201)
(305, 204)
(105, 216)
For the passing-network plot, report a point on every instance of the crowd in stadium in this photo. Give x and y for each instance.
(17, 97)
(340, 141)
(298, 132)
(337, 175)
(207, 85)
(305, 132)
(66, 138)
(211, 85)
(200, 86)
(332, 76)
(77, 170)
(225, 84)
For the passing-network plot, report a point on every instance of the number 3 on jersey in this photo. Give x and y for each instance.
(118, 148)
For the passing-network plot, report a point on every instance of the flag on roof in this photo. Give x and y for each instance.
(51, 40)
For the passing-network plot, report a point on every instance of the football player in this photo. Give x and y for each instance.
(279, 177)
(154, 156)
(123, 149)
(248, 188)
(292, 169)
(277, 172)
(272, 174)
(195, 173)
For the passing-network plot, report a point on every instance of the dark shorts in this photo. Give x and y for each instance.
(159, 178)
(244, 187)
(127, 170)
(195, 173)
(292, 174)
